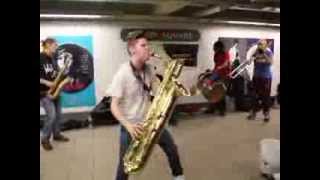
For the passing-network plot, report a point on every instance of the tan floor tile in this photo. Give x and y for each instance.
(210, 147)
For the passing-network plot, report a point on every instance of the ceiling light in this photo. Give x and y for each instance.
(71, 16)
(249, 23)
(265, 9)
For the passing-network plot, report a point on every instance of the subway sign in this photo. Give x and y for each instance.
(165, 35)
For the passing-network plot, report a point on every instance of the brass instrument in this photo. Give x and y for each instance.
(60, 81)
(262, 45)
(159, 112)
(218, 90)
(215, 92)
(243, 66)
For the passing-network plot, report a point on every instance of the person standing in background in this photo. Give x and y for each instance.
(262, 79)
(52, 107)
(221, 71)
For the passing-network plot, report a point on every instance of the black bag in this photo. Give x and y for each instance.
(237, 87)
(74, 124)
(101, 114)
(243, 103)
(69, 124)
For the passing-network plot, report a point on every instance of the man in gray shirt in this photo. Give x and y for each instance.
(130, 91)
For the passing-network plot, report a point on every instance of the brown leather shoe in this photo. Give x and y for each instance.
(46, 145)
(61, 138)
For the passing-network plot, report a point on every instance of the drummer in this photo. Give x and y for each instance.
(222, 65)
(221, 71)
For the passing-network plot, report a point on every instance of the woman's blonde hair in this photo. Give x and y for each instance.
(46, 42)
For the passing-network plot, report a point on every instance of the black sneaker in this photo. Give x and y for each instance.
(61, 138)
(209, 111)
(266, 118)
(46, 145)
(251, 116)
(222, 113)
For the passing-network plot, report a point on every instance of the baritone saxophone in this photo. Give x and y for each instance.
(60, 81)
(159, 112)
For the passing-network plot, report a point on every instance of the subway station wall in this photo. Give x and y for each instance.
(109, 50)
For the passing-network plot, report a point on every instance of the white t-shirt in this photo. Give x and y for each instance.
(134, 100)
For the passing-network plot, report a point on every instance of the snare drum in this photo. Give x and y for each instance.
(212, 92)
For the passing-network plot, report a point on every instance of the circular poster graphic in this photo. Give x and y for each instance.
(80, 69)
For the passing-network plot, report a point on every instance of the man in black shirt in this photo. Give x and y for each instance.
(52, 107)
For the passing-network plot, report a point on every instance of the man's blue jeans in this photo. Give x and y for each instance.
(165, 142)
(52, 123)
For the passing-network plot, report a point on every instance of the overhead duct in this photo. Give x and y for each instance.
(211, 11)
(165, 8)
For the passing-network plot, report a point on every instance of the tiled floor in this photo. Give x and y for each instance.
(211, 148)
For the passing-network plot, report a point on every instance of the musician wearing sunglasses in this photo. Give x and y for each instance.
(261, 82)
(131, 98)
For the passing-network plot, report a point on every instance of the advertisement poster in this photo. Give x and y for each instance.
(81, 91)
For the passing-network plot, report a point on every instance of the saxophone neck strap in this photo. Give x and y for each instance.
(139, 78)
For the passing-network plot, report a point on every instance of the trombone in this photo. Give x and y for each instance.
(244, 65)
(237, 71)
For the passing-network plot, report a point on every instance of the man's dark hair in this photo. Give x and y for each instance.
(218, 46)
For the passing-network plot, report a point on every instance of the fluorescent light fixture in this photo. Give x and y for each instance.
(265, 9)
(71, 16)
(249, 23)
(271, 9)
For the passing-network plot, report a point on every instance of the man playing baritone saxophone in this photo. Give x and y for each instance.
(130, 91)
(52, 107)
